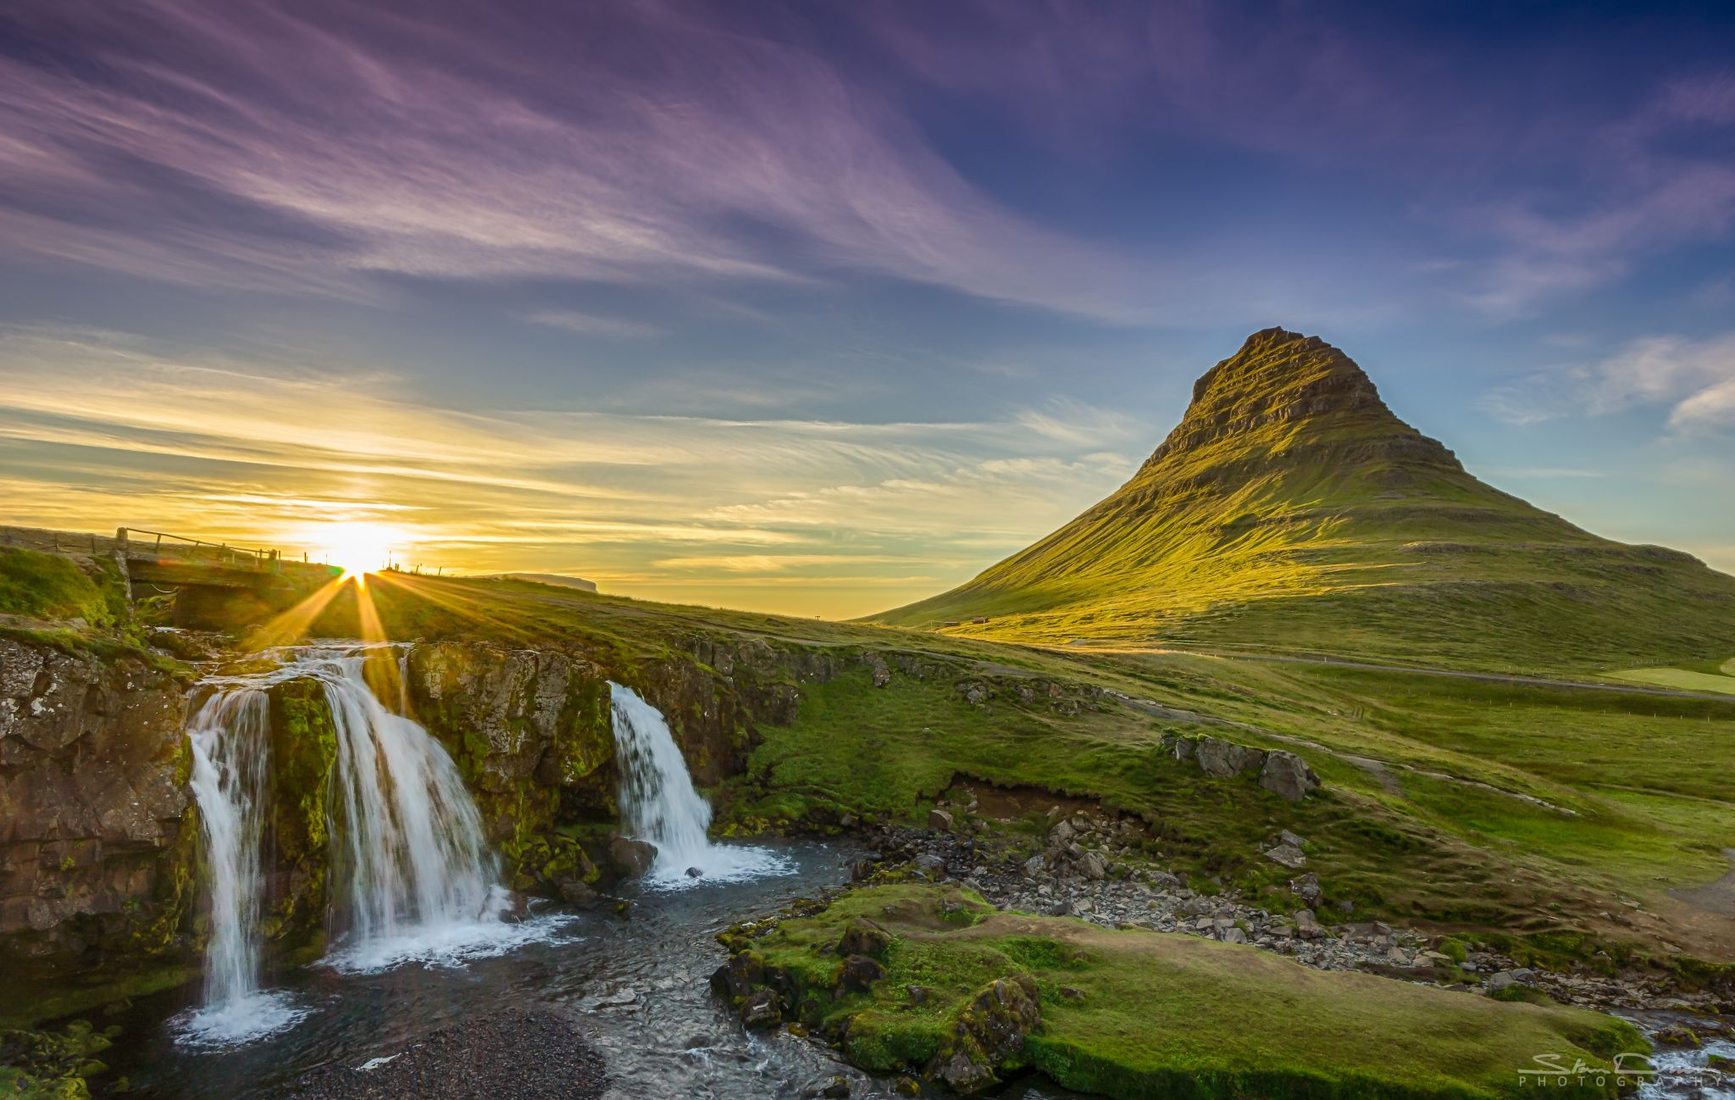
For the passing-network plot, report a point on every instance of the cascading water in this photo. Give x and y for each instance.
(422, 882)
(659, 804)
(230, 736)
(407, 840)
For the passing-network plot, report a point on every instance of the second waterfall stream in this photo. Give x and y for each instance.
(412, 876)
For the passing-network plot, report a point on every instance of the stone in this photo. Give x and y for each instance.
(1225, 758)
(1093, 866)
(1287, 837)
(1307, 925)
(858, 975)
(580, 894)
(1308, 889)
(1287, 776)
(761, 1011)
(1287, 855)
(940, 821)
(631, 857)
(931, 862)
(833, 1087)
(864, 937)
(1061, 834)
(694, 872)
(991, 1029)
(1233, 935)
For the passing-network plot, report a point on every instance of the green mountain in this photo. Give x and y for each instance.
(1291, 510)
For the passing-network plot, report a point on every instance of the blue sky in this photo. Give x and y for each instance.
(825, 307)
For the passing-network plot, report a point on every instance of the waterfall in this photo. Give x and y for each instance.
(413, 878)
(230, 739)
(660, 805)
(421, 877)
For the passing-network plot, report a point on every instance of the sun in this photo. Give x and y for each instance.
(358, 548)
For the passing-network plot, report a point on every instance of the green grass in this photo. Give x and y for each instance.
(36, 585)
(1683, 678)
(1336, 532)
(1144, 1014)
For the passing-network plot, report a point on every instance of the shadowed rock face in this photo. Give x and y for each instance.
(93, 766)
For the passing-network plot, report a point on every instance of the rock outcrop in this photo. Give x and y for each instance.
(1280, 772)
(93, 768)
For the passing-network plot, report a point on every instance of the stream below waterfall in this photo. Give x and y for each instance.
(636, 983)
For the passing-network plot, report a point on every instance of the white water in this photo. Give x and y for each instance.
(413, 878)
(230, 736)
(659, 804)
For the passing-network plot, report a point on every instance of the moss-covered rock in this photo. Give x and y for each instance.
(298, 837)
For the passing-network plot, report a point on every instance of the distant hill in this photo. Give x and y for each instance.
(559, 579)
(1292, 510)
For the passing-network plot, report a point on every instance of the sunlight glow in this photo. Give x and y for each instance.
(357, 548)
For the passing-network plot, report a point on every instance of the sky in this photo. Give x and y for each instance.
(821, 308)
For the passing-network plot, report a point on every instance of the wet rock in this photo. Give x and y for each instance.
(631, 857)
(761, 1011)
(580, 894)
(694, 872)
(833, 1087)
(736, 978)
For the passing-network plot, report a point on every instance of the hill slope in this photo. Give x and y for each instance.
(1291, 509)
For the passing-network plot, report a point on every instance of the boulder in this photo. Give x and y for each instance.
(858, 975)
(1287, 855)
(1225, 758)
(1308, 889)
(864, 937)
(1288, 776)
(940, 821)
(761, 1011)
(631, 857)
(991, 1029)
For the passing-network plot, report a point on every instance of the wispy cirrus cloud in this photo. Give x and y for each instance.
(307, 145)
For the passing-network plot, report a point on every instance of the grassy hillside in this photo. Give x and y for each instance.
(1506, 809)
(1292, 510)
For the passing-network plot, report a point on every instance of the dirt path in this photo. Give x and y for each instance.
(1715, 897)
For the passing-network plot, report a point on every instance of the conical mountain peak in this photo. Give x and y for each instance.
(1291, 503)
(1285, 392)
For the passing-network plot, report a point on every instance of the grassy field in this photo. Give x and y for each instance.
(1685, 679)
(1135, 1014)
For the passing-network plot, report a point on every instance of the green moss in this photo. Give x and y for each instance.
(1141, 1014)
(304, 761)
(45, 1065)
(49, 586)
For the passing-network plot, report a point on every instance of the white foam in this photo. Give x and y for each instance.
(446, 945)
(238, 1021)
